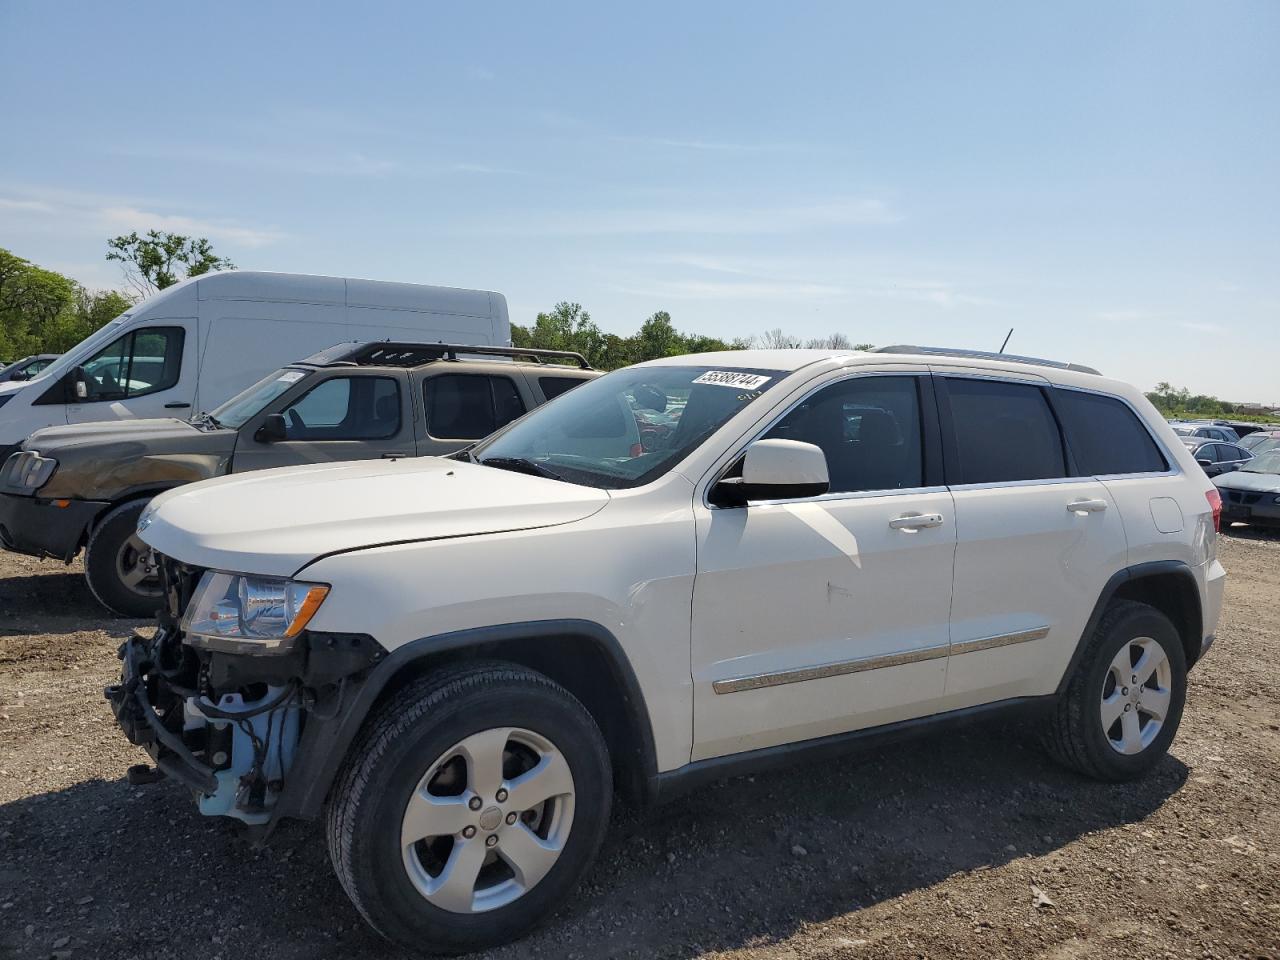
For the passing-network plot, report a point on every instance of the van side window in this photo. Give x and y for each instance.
(868, 427)
(552, 387)
(1003, 432)
(1105, 436)
(346, 408)
(140, 362)
(463, 406)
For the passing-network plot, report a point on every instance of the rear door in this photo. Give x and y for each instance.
(347, 415)
(1035, 542)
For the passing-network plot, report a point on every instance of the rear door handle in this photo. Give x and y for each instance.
(1087, 506)
(916, 521)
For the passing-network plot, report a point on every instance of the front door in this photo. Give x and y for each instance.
(827, 614)
(148, 371)
(345, 416)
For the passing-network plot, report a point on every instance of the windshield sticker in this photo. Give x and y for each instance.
(290, 376)
(731, 378)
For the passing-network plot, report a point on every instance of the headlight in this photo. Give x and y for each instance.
(236, 613)
(29, 471)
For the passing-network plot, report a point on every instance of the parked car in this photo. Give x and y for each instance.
(1214, 457)
(26, 368)
(195, 344)
(1252, 493)
(1207, 431)
(1260, 440)
(85, 486)
(457, 661)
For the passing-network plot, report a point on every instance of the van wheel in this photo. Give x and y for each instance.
(120, 568)
(469, 808)
(1123, 706)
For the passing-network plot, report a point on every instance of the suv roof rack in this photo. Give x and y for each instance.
(983, 355)
(396, 354)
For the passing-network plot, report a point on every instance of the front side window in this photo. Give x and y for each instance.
(463, 406)
(346, 408)
(1003, 432)
(868, 427)
(628, 427)
(142, 361)
(1106, 436)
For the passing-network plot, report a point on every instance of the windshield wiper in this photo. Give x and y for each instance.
(205, 418)
(521, 465)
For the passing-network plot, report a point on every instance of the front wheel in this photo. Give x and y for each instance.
(1123, 706)
(470, 808)
(119, 567)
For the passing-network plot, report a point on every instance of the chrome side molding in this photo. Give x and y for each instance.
(880, 662)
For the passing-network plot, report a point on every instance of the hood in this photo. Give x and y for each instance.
(1243, 480)
(278, 521)
(111, 459)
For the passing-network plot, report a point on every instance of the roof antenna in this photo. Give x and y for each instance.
(1006, 339)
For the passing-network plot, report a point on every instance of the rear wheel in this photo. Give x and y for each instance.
(470, 808)
(120, 568)
(1123, 706)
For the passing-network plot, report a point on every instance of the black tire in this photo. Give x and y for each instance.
(395, 751)
(1075, 735)
(102, 561)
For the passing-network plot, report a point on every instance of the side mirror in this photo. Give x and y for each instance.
(20, 375)
(776, 470)
(273, 429)
(79, 384)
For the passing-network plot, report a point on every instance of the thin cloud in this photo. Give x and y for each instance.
(709, 146)
(728, 290)
(1201, 327)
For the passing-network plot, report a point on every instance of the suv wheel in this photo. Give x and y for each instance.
(1122, 707)
(470, 808)
(119, 567)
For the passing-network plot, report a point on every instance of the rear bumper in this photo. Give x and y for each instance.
(40, 529)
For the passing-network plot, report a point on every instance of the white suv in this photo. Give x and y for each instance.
(681, 571)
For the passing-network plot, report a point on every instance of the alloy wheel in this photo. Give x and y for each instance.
(1136, 695)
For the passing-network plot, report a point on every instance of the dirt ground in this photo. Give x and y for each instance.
(966, 844)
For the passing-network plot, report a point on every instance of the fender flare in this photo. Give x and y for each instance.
(326, 740)
(1140, 571)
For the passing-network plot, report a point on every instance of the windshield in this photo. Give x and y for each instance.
(629, 427)
(1268, 462)
(87, 346)
(248, 403)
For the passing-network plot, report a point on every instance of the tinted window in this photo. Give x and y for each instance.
(140, 362)
(552, 387)
(1003, 432)
(869, 428)
(1231, 452)
(346, 408)
(467, 407)
(1106, 436)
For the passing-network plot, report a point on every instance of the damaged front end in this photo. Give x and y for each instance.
(229, 720)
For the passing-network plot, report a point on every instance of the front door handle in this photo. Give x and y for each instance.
(916, 521)
(177, 406)
(1087, 506)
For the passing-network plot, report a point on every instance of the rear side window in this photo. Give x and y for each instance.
(552, 387)
(1106, 436)
(467, 406)
(1003, 432)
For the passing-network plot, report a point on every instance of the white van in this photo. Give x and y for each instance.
(201, 341)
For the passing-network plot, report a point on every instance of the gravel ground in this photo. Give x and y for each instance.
(966, 844)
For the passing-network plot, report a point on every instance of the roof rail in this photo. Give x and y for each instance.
(983, 355)
(397, 354)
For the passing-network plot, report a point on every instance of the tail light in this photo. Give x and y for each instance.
(1215, 504)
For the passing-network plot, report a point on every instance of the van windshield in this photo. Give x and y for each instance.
(244, 406)
(85, 348)
(627, 428)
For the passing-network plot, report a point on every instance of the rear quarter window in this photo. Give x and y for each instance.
(552, 387)
(1105, 435)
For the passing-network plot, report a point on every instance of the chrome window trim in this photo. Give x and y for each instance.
(842, 668)
(718, 475)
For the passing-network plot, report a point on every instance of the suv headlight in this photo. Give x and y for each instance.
(235, 613)
(29, 471)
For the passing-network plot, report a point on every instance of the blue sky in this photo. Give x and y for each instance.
(1104, 178)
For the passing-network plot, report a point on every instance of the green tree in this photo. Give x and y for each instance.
(31, 298)
(153, 262)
